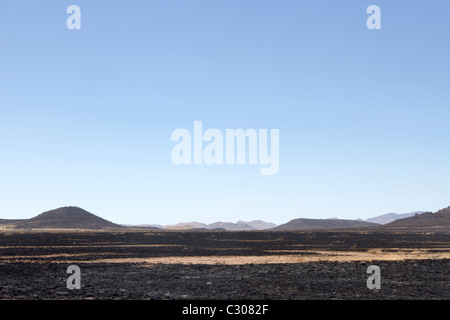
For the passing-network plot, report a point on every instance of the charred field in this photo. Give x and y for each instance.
(224, 265)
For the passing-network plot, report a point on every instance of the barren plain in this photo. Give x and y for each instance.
(246, 265)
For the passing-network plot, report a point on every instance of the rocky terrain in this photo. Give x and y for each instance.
(289, 262)
(224, 265)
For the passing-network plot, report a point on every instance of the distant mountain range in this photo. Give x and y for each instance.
(315, 224)
(439, 220)
(240, 225)
(77, 218)
(390, 217)
(296, 224)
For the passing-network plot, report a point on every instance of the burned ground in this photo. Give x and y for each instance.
(224, 265)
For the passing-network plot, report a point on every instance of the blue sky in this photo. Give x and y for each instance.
(86, 115)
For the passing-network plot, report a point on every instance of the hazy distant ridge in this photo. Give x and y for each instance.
(390, 217)
(240, 225)
(316, 224)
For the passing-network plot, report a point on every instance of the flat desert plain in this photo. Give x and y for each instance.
(226, 265)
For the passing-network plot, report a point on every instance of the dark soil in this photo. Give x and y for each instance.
(45, 276)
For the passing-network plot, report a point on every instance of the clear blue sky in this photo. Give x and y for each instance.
(86, 115)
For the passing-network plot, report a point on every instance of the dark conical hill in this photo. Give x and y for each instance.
(67, 218)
